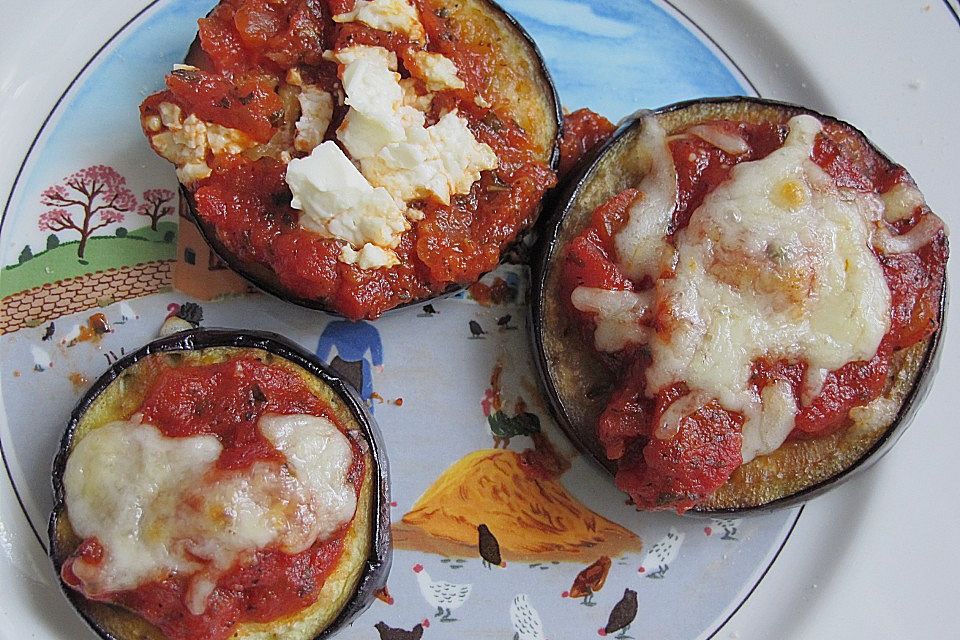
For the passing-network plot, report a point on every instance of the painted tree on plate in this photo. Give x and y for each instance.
(86, 201)
(155, 206)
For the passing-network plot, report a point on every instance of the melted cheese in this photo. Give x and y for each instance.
(765, 433)
(131, 518)
(158, 505)
(901, 201)
(912, 241)
(618, 316)
(641, 246)
(777, 262)
(725, 141)
(320, 456)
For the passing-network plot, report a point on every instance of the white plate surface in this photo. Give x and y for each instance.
(872, 559)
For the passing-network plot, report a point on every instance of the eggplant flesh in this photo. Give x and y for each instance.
(524, 90)
(365, 563)
(578, 383)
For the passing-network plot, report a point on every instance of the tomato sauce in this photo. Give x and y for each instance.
(248, 45)
(583, 132)
(680, 472)
(226, 400)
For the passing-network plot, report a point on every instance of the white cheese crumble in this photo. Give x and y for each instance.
(437, 71)
(316, 112)
(438, 161)
(338, 202)
(390, 140)
(158, 505)
(185, 141)
(401, 160)
(377, 116)
(386, 15)
(411, 98)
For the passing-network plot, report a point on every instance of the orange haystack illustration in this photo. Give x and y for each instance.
(531, 514)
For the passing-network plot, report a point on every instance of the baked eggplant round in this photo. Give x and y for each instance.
(204, 536)
(361, 155)
(609, 357)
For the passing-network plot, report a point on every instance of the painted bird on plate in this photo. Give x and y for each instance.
(504, 323)
(181, 317)
(521, 423)
(48, 332)
(445, 596)
(41, 359)
(727, 527)
(589, 581)
(390, 633)
(657, 561)
(621, 616)
(489, 547)
(428, 310)
(476, 330)
(525, 619)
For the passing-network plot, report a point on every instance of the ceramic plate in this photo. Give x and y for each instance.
(93, 231)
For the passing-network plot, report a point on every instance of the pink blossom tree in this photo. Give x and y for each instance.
(86, 201)
(153, 205)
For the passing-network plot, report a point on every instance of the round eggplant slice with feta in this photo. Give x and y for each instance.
(220, 484)
(739, 305)
(395, 156)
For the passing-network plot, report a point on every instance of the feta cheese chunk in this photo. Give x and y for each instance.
(338, 202)
(184, 141)
(437, 71)
(439, 161)
(413, 99)
(390, 140)
(369, 257)
(316, 112)
(386, 15)
(375, 98)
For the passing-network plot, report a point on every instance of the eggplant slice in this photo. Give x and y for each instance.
(368, 542)
(578, 384)
(525, 91)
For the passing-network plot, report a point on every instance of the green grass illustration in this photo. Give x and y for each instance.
(103, 252)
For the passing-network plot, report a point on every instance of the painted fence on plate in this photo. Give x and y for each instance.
(72, 295)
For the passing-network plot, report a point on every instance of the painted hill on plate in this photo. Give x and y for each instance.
(532, 517)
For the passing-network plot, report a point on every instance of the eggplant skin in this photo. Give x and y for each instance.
(578, 384)
(525, 91)
(363, 569)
